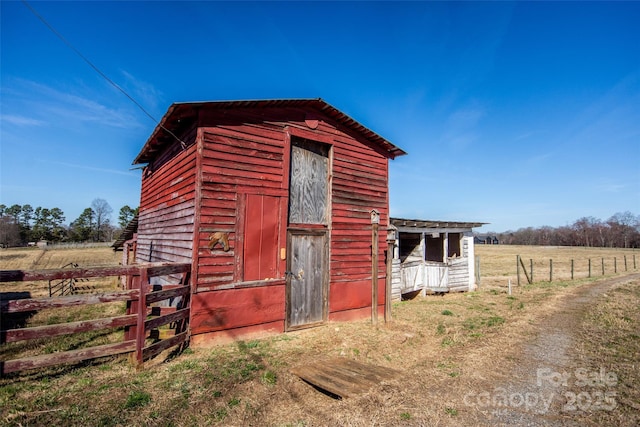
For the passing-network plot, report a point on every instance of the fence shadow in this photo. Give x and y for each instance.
(13, 320)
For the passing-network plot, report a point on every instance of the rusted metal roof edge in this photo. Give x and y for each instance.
(127, 233)
(317, 103)
(422, 223)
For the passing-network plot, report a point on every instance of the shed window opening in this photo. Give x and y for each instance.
(454, 249)
(410, 246)
(439, 244)
(434, 243)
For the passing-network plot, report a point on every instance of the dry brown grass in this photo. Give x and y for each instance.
(610, 342)
(42, 259)
(442, 347)
(498, 262)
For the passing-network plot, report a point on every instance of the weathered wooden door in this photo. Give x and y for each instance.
(306, 279)
(308, 235)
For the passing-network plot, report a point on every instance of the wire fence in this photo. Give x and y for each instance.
(539, 270)
(51, 246)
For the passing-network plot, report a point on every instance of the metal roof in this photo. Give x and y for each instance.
(181, 112)
(429, 224)
(127, 233)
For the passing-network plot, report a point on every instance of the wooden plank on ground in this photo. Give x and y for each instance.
(343, 377)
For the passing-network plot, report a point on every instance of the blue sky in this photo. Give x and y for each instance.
(516, 114)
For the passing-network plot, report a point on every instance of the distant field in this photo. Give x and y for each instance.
(498, 262)
(39, 259)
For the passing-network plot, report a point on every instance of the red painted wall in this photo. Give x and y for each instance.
(167, 209)
(235, 179)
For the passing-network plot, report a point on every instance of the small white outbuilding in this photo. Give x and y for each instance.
(432, 257)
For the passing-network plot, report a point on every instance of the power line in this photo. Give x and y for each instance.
(97, 70)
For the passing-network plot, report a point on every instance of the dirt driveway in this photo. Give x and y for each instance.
(551, 382)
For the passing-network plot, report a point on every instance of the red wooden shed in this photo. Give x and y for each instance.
(270, 202)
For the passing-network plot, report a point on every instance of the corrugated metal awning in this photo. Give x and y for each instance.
(127, 233)
(420, 224)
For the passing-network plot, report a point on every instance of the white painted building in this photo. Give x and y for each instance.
(432, 257)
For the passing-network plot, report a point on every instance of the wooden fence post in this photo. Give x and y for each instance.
(625, 263)
(589, 267)
(518, 268)
(375, 220)
(571, 269)
(550, 270)
(524, 269)
(142, 316)
(634, 261)
(391, 239)
(603, 266)
(133, 282)
(531, 270)
(615, 264)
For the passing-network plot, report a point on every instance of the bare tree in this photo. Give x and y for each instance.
(622, 230)
(624, 225)
(102, 212)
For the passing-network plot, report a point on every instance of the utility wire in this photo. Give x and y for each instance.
(97, 70)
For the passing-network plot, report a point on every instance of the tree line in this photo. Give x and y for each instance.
(621, 230)
(21, 224)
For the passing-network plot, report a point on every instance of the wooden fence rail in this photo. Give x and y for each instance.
(140, 323)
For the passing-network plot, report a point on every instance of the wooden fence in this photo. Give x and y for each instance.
(592, 268)
(140, 323)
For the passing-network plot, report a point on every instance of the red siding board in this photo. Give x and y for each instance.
(356, 294)
(351, 315)
(216, 212)
(223, 147)
(348, 170)
(237, 174)
(346, 155)
(240, 180)
(240, 157)
(234, 308)
(233, 335)
(237, 138)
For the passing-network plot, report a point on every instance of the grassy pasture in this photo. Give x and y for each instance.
(43, 259)
(441, 346)
(498, 262)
